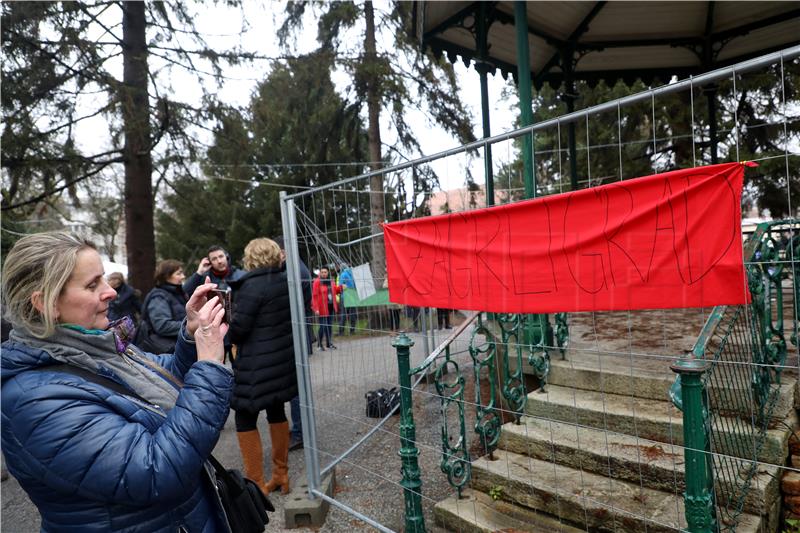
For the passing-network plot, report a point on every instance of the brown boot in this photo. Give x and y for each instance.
(252, 457)
(279, 433)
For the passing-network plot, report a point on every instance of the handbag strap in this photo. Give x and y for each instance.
(221, 471)
(110, 384)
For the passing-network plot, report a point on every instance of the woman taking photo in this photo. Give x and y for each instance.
(93, 459)
(164, 309)
(264, 368)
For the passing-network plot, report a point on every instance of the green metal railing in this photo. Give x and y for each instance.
(699, 496)
(728, 388)
(484, 356)
(793, 256)
(745, 349)
(499, 367)
(514, 383)
(411, 482)
(449, 382)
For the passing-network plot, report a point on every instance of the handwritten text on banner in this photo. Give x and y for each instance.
(662, 241)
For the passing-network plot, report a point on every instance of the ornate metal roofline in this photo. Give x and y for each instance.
(700, 45)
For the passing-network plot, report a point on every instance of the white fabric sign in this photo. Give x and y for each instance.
(365, 285)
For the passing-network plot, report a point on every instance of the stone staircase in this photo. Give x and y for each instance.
(600, 450)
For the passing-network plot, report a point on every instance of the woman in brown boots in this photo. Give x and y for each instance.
(264, 368)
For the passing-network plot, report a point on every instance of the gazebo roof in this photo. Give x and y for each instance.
(613, 40)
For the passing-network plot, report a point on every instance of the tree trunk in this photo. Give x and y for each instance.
(139, 232)
(377, 214)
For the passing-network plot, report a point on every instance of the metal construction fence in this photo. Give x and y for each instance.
(563, 422)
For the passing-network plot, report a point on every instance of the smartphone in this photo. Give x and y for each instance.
(225, 300)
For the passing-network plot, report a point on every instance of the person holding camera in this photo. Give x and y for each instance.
(264, 367)
(164, 309)
(217, 266)
(91, 457)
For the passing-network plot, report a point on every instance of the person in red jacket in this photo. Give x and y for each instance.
(323, 302)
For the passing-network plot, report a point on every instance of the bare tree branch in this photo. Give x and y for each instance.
(60, 188)
(226, 55)
(74, 121)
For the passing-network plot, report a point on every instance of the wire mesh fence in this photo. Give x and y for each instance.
(558, 423)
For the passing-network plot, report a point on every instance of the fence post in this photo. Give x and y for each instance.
(411, 483)
(300, 339)
(699, 495)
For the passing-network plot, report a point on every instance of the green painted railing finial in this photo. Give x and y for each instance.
(699, 495)
(411, 482)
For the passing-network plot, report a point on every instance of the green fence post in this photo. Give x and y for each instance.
(411, 483)
(699, 496)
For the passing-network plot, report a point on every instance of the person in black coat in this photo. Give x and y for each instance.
(127, 301)
(264, 367)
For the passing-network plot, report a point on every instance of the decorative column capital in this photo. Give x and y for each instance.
(690, 366)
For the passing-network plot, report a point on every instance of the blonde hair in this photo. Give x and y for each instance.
(39, 262)
(261, 252)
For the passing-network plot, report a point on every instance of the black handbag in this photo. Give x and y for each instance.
(380, 402)
(245, 506)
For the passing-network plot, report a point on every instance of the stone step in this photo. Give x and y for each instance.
(658, 421)
(652, 378)
(654, 465)
(476, 512)
(589, 501)
(613, 374)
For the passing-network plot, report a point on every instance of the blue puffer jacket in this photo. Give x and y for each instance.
(93, 460)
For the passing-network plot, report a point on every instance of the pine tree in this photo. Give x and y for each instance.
(389, 81)
(296, 132)
(58, 75)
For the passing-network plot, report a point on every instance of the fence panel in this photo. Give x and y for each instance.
(560, 422)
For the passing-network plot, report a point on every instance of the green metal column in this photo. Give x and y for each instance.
(411, 483)
(482, 66)
(569, 99)
(711, 99)
(537, 325)
(699, 495)
(525, 96)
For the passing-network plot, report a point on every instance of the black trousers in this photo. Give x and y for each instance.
(443, 318)
(248, 420)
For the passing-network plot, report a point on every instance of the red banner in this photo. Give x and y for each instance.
(662, 241)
